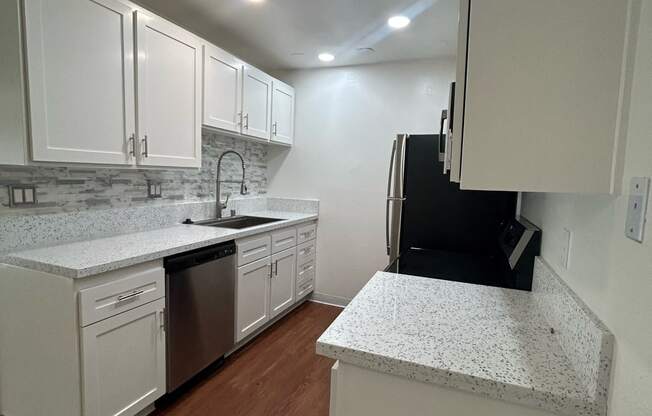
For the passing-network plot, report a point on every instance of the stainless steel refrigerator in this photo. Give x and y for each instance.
(434, 229)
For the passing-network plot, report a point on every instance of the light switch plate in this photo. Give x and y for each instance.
(639, 194)
(22, 195)
(154, 189)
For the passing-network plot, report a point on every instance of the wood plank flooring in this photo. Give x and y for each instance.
(276, 374)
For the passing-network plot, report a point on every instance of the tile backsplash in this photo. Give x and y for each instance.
(70, 188)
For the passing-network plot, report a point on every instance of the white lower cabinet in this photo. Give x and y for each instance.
(284, 266)
(273, 275)
(124, 361)
(252, 297)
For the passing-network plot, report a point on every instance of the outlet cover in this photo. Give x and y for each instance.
(22, 195)
(154, 189)
(639, 194)
(565, 248)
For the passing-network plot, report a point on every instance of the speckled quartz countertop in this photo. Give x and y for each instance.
(486, 340)
(87, 258)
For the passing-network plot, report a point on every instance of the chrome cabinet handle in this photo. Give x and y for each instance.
(161, 315)
(239, 122)
(276, 268)
(275, 130)
(131, 295)
(306, 250)
(145, 147)
(271, 268)
(246, 118)
(132, 144)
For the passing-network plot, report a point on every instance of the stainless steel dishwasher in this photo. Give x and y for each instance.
(200, 310)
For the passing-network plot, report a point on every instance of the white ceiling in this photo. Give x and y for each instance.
(271, 34)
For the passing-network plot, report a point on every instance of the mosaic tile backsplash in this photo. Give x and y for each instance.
(70, 188)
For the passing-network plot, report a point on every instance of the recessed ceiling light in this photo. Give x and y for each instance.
(256, 1)
(398, 22)
(326, 57)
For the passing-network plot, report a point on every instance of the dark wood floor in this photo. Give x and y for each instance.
(276, 374)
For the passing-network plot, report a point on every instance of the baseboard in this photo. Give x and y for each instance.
(146, 411)
(330, 299)
(262, 329)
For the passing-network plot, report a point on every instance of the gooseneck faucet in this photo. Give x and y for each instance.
(219, 206)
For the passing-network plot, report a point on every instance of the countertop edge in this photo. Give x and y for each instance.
(472, 384)
(14, 259)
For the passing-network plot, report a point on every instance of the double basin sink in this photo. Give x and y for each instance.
(238, 222)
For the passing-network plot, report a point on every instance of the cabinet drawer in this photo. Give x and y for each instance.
(304, 288)
(254, 248)
(103, 301)
(306, 251)
(307, 233)
(306, 271)
(284, 239)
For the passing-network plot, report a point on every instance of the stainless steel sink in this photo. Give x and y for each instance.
(238, 222)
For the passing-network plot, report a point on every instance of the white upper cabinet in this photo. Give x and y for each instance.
(81, 80)
(257, 103)
(222, 89)
(169, 93)
(282, 113)
(12, 106)
(543, 91)
(111, 84)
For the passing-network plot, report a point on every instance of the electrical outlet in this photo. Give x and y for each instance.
(154, 189)
(639, 193)
(22, 195)
(564, 258)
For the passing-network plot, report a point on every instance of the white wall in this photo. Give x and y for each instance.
(346, 121)
(611, 273)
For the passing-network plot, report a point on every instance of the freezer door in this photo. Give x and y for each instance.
(395, 197)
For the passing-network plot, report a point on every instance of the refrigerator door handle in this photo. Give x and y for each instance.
(442, 138)
(448, 147)
(389, 190)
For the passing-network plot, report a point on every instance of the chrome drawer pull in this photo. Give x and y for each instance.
(306, 250)
(131, 295)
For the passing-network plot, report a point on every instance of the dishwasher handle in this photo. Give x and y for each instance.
(199, 256)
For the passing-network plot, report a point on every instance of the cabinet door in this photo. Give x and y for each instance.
(252, 297)
(222, 89)
(124, 361)
(544, 85)
(169, 94)
(457, 118)
(282, 113)
(257, 103)
(284, 273)
(12, 108)
(81, 80)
